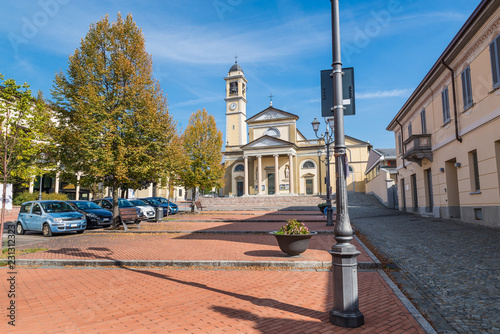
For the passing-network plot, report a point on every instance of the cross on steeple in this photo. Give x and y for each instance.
(271, 99)
(236, 59)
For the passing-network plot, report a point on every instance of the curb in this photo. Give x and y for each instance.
(191, 232)
(223, 264)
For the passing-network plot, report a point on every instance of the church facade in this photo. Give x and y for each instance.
(267, 155)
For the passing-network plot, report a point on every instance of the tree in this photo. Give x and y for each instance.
(23, 128)
(202, 143)
(113, 125)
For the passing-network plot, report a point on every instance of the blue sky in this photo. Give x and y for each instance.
(282, 45)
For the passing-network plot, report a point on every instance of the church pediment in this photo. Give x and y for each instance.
(266, 141)
(271, 114)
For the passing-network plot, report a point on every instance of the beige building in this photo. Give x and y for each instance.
(381, 176)
(448, 132)
(277, 159)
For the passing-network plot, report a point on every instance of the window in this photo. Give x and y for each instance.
(239, 168)
(26, 208)
(308, 165)
(474, 171)
(410, 131)
(423, 121)
(446, 105)
(466, 88)
(180, 192)
(233, 87)
(495, 61)
(273, 132)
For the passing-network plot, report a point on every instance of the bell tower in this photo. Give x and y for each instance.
(236, 107)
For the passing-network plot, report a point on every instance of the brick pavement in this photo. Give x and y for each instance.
(194, 301)
(153, 300)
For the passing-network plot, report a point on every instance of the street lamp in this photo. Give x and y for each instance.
(40, 192)
(345, 311)
(328, 138)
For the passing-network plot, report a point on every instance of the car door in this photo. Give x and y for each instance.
(36, 218)
(25, 215)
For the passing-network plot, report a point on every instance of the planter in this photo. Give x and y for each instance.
(293, 244)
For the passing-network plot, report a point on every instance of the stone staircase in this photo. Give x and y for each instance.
(262, 203)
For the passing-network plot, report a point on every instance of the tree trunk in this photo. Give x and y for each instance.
(193, 199)
(116, 210)
(2, 215)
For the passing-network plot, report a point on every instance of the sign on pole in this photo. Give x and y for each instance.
(347, 92)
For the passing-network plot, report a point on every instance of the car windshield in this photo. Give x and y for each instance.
(55, 207)
(86, 205)
(161, 200)
(138, 202)
(153, 201)
(123, 203)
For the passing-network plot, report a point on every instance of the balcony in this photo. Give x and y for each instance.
(417, 148)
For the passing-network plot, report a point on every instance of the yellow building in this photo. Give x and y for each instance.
(277, 159)
(448, 132)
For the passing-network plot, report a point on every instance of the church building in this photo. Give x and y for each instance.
(272, 157)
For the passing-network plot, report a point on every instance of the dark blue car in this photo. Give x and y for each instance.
(96, 216)
(172, 206)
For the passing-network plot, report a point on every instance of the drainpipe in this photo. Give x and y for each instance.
(457, 137)
(402, 146)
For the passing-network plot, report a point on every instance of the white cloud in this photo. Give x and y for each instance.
(384, 94)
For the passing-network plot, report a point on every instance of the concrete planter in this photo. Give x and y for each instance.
(293, 244)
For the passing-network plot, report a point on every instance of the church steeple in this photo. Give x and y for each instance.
(236, 113)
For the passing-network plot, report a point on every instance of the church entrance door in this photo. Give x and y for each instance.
(270, 184)
(239, 188)
(309, 186)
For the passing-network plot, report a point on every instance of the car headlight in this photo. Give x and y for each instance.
(58, 220)
(92, 215)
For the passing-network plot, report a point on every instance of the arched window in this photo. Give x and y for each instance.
(308, 165)
(273, 132)
(239, 168)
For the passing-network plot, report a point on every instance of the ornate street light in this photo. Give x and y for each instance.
(345, 311)
(328, 138)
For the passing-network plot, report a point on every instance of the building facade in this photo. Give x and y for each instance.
(448, 132)
(272, 157)
(381, 176)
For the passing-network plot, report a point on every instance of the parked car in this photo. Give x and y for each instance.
(96, 216)
(129, 214)
(154, 203)
(49, 217)
(173, 207)
(147, 210)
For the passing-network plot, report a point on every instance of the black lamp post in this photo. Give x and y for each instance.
(345, 311)
(328, 138)
(40, 192)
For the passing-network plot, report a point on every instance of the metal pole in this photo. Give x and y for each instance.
(329, 215)
(345, 311)
(40, 192)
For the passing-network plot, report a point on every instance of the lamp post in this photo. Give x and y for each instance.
(345, 311)
(328, 138)
(40, 192)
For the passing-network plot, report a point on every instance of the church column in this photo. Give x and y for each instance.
(291, 183)
(276, 175)
(259, 175)
(245, 183)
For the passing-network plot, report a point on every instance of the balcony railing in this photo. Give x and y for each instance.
(418, 147)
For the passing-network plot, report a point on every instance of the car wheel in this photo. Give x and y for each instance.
(79, 232)
(46, 231)
(19, 229)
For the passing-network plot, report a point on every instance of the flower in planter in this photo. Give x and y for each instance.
(293, 227)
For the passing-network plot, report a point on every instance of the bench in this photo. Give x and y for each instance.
(199, 206)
